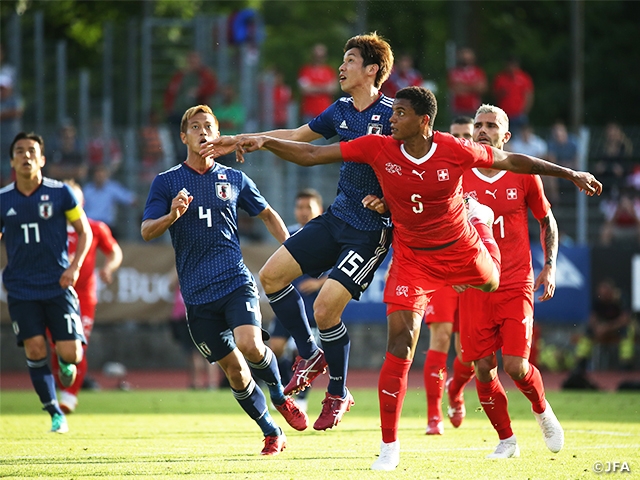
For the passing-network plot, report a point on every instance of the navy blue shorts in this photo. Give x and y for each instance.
(211, 325)
(328, 243)
(60, 315)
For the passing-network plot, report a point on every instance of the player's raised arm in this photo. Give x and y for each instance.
(519, 163)
(153, 228)
(304, 154)
(274, 224)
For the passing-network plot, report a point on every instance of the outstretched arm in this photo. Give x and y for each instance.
(304, 154)
(519, 163)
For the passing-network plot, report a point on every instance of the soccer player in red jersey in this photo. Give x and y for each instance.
(504, 319)
(86, 288)
(420, 172)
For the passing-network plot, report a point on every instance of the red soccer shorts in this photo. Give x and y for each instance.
(415, 274)
(443, 307)
(490, 321)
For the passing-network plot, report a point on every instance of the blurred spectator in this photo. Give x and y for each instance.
(190, 86)
(513, 91)
(156, 148)
(66, 159)
(609, 167)
(96, 147)
(11, 110)
(6, 69)
(562, 147)
(318, 84)
(467, 83)
(622, 219)
(281, 100)
(403, 75)
(231, 117)
(102, 196)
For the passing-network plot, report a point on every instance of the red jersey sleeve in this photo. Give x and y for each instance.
(536, 199)
(362, 149)
(475, 155)
(104, 237)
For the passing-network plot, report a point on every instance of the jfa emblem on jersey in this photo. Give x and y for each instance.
(45, 210)
(223, 190)
(374, 129)
(443, 175)
(512, 194)
(393, 168)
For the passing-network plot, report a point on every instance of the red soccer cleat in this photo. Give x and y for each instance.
(293, 414)
(456, 411)
(305, 371)
(274, 444)
(333, 408)
(435, 426)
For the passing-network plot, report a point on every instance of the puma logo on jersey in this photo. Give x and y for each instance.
(493, 194)
(418, 173)
(344, 125)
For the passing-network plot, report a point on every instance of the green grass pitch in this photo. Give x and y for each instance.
(199, 434)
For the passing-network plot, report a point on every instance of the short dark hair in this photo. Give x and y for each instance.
(422, 100)
(310, 193)
(374, 50)
(462, 120)
(29, 136)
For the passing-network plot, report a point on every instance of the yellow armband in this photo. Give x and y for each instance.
(74, 214)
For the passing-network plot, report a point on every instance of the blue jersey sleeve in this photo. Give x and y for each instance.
(324, 124)
(69, 198)
(250, 198)
(158, 201)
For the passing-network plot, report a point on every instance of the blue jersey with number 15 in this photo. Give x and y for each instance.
(35, 231)
(205, 239)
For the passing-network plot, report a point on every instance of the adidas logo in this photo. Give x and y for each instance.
(11, 212)
(344, 125)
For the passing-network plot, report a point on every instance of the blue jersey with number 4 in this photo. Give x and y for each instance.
(35, 231)
(205, 239)
(356, 180)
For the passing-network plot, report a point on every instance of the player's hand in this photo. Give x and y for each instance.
(218, 147)
(311, 285)
(546, 278)
(460, 288)
(587, 183)
(69, 277)
(180, 204)
(374, 203)
(106, 275)
(247, 144)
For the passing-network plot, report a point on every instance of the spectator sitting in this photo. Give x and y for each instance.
(318, 84)
(610, 168)
(563, 148)
(96, 148)
(622, 219)
(102, 196)
(402, 75)
(467, 83)
(67, 158)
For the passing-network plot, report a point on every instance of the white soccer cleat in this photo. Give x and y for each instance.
(478, 213)
(552, 431)
(389, 456)
(67, 401)
(507, 448)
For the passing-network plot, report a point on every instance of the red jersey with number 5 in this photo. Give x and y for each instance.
(424, 195)
(510, 195)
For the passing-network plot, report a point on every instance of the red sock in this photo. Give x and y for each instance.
(532, 388)
(462, 375)
(435, 376)
(486, 235)
(494, 402)
(392, 388)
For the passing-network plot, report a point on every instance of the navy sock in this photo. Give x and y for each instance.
(44, 385)
(267, 371)
(288, 306)
(285, 365)
(336, 345)
(253, 401)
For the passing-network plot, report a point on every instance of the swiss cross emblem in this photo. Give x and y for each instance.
(512, 194)
(45, 210)
(443, 175)
(223, 190)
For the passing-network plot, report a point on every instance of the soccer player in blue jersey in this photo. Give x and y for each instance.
(197, 202)
(347, 239)
(39, 277)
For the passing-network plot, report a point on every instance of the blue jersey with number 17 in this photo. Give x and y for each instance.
(35, 232)
(356, 180)
(205, 239)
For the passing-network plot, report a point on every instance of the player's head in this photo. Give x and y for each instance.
(375, 51)
(422, 101)
(77, 190)
(27, 154)
(308, 205)
(491, 126)
(199, 125)
(462, 127)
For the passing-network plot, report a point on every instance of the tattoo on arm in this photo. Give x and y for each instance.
(549, 238)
